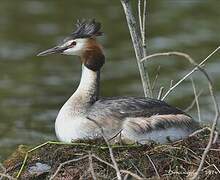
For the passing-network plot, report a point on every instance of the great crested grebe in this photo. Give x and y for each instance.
(136, 119)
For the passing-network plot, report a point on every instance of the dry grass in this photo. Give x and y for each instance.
(90, 160)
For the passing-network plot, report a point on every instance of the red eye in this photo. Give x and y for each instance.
(73, 43)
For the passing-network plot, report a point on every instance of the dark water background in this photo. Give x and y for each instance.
(33, 89)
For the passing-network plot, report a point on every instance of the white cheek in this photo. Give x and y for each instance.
(76, 50)
(73, 51)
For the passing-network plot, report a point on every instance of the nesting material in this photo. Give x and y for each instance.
(92, 159)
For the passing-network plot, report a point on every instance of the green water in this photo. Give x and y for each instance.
(33, 89)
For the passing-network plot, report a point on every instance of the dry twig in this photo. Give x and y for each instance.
(67, 162)
(139, 17)
(199, 131)
(137, 169)
(4, 174)
(160, 93)
(215, 137)
(91, 167)
(110, 149)
(155, 169)
(122, 171)
(144, 25)
(196, 100)
(132, 174)
(217, 114)
(215, 121)
(156, 77)
(138, 46)
(185, 56)
(193, 102)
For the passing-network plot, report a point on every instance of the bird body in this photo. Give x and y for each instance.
(134, 119)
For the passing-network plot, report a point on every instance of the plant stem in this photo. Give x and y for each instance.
(138, 46)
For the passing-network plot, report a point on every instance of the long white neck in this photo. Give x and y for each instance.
(89, 85)
(87, 92)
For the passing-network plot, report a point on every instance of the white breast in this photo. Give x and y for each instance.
(69, 128)
(73, 125)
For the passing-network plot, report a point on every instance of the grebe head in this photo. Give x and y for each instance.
(81, 42)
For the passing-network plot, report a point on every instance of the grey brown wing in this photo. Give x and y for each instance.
(137, 117)
(122, 107)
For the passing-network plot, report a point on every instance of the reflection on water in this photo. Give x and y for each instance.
(32, 89)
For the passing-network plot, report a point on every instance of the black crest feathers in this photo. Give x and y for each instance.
(86, 29)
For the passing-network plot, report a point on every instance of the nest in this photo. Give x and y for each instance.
(89, 160)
